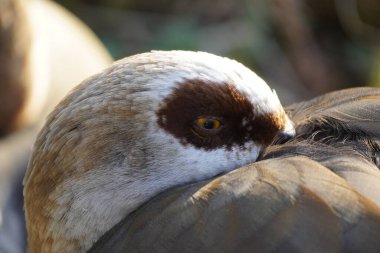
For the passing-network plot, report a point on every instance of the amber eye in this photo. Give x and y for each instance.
(208, 123)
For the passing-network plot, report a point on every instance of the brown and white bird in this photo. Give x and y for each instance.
(148, 123)
(318, 192)
(44, 52)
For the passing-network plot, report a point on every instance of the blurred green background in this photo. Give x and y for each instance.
(301, 48)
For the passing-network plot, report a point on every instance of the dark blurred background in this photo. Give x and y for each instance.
(302, 48)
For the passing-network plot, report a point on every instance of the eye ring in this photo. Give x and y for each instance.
(207, 123)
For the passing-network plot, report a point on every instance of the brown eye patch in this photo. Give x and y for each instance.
(193, 98)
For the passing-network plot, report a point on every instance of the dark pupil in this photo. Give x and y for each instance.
(209, 124)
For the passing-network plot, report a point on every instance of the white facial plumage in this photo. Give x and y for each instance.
(114, 142)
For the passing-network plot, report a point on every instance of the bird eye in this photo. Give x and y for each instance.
(208, 123)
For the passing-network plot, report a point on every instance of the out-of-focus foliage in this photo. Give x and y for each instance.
(369, 11)
(302, 48)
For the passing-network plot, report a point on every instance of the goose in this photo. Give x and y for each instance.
(44, 52)
(316, 192)
(148, 123)
(36, 57)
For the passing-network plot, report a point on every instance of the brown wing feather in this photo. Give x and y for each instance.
(279, 205)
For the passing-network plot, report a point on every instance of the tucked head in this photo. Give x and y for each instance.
(148, 123)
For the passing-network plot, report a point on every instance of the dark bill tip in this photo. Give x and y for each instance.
(283, 137)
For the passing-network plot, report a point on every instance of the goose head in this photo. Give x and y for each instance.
(149, 122)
